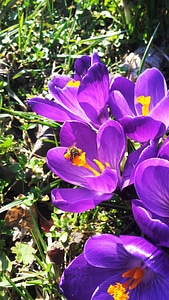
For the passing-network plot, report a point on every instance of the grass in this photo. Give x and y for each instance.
(37, 39)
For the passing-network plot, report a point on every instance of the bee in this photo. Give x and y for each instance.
(72, 152)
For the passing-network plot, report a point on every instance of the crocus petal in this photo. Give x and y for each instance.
(142, 128)
(77, 200)
(93, 93)
(150, 224)
(67, 97)
(160, 111)
(151, 182)
(95, 58)
(80, 279)
(60, 80)
(60, 93)
(50, 109)
(140, 248)
(107, 251)
(111, 143)
(106, 182)
(81, 67)
(83, 63)
(126, 89)
(81, 135)
(134, 159)
(150, 83)
(119, 105)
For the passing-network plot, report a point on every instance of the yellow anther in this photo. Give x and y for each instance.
(73, 83)
(118, 292)
(145, 102)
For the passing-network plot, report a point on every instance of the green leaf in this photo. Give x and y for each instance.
(15, 167)
(5, 263)
(24, 253)
(22, 159)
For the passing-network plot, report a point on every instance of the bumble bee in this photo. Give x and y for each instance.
(73, 152)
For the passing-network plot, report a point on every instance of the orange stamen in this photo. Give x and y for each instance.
(136, 275)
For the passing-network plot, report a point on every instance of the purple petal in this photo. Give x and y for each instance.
(77, 200)
(93, 93)
(80, 135)
(95, 58)
(151, 182)
(140, 248)
(50, 109)
(150, 224)
(111, 142)
(150, 83)
(142, 128)
(66, 97)
(160, 112)
(126, 88)
(134, 159)
(60, 80)
(80, 279)
(83, 63)
(106, 182)
(119, 105)
(107, 251)
(81, 67)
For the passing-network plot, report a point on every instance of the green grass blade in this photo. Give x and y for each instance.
(147, 49)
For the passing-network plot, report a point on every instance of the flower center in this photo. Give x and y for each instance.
(119, 291)
(78, 158)
(145, 102)
(73, 83)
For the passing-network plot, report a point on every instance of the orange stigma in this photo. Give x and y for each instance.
(119, 291)
(78, 158)
(145, 102)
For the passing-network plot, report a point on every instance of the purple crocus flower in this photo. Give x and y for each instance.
(141, 107)
(151, 212)
(111, 267)
(82, 98)
(89, 160)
